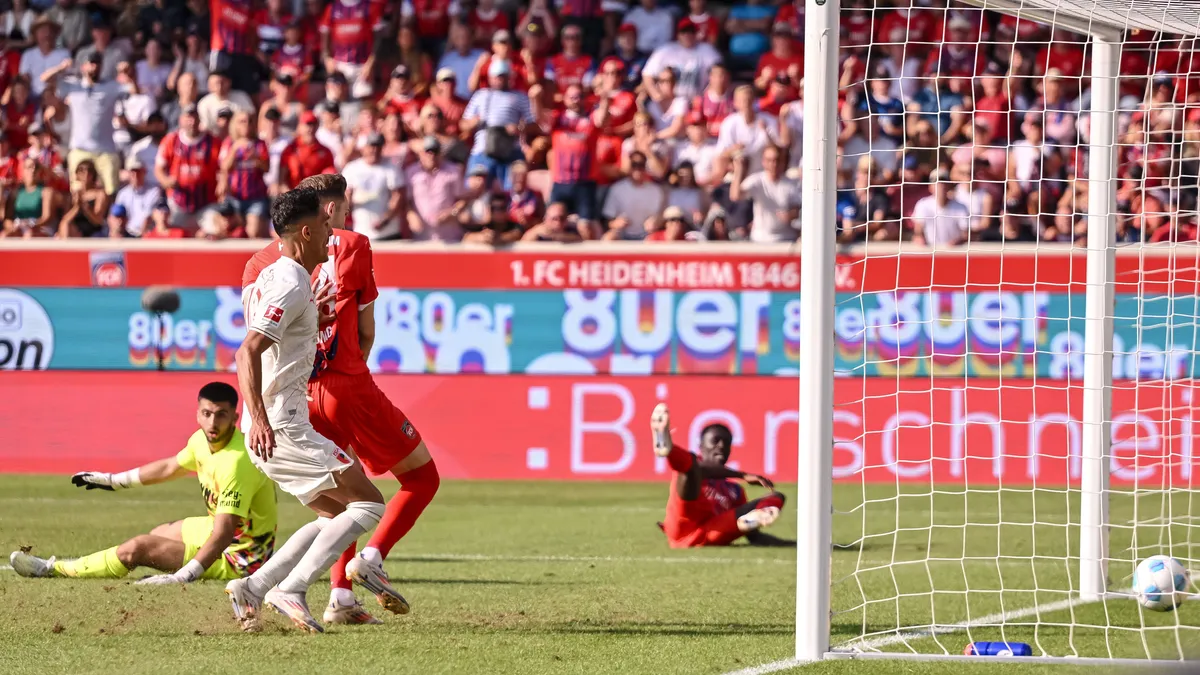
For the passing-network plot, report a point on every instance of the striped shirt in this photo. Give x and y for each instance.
(350, 27)
(246, 177)
(572, 146)
(193, 165)
(292, 59)
(495, 108)
(714, 110)
(233, 26)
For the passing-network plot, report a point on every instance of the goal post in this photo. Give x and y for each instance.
(870, 546)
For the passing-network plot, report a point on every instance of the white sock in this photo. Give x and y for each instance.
(347, 527)
(371, 555)
(342, 596)
(281, 563)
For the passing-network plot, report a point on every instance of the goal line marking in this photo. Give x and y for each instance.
(898, 638)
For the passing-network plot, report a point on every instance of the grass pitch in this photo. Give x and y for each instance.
(575, 578)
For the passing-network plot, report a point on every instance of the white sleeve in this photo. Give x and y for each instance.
(275, 304)
(654, 64)
(724, 134)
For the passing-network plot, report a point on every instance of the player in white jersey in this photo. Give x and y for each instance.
(274, 364)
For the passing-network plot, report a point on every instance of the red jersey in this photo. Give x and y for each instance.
(246, 176)
(518, 81)
(194, 167)
(408, 107)
(856, 26)
(452, 108)
(708, 29)
(714, 110)
(432, 18)
(294, 60)
(233, 28)
(565, 71)
(782, 65)
(49, 158)
(794, 17)
(485, 24)
(717, 496)
(572, 145)
(352, 273)
(622, 106)
(607, 153)
(300, 160)
(17, 119)
(350, 27)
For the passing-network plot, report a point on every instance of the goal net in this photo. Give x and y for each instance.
(1015, 420)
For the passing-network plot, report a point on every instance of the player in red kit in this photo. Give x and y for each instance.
(347, 407)
(706, 507)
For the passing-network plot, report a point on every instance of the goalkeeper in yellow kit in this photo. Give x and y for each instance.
(232, 541)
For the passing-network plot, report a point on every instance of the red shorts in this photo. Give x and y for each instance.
(693, 523)
(351, 411)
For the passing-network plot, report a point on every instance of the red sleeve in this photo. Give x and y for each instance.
(326, 21)
(250, 273)
(224, 151)
(264, 153)
(166, 151)
(362, 270)
(286, 160)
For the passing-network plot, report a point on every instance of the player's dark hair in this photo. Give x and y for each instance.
(219, 392)
(293, 207)
(718, 427)
(329, 186)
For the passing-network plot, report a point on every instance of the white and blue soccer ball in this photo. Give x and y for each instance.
(1161, 583)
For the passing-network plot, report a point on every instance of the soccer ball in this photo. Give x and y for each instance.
(1161, 583)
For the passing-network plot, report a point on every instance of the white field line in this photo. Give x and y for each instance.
(899, 638)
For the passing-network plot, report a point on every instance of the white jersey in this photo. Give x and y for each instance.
(280, 305)
(692, 66)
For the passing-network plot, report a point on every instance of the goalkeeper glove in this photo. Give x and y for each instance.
(97, 480)
(189, 573)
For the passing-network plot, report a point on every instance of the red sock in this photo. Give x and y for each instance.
(337, 574)
(680, 459)
(417, 488)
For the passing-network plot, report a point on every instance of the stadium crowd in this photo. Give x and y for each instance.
(581, 120)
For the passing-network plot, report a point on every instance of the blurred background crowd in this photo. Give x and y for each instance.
(485, 121)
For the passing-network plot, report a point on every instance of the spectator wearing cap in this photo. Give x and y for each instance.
(71, 25)
(541, 12)
(283, 101)
(496, 229)
(502, 50)
(118, 221)
(221, 222)
(434, 190)
(187, 168)
(698, 150)
(410, 54)
(626, 53)
(111, 52)
(708, 28)
(676, 226)
(431, 18)
(221, 95)
(234, 43)
(145, 149)
(221, 131)
(160, 224)
(137, 197)
(375, 191)
(715, 103)
(536, 45)
(748, 24)
(242, 183)
(746, 133)
(401, 98)
(571, 66)
(29, 208)
(687, 56)
(497, 116)
(443, 96)
(775, 197)
(461, 58)
(348, 42)
(90, 103)
(89, 204)
(654, 25)
(782, 59)
(485, 20)
(940, 219)
(556, 226)
(632, 201)
(667, 106)
(573, 132)
(43, 56)
(152, 72)
(294, 58)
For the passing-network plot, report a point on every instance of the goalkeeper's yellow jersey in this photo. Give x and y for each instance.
(231, 484)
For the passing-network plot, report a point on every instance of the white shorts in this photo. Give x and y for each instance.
(359, 88)
(304, 462)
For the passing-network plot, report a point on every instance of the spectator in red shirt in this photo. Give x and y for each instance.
(294, 57)
(783, 58)
(992, 105)
(400, 98)
(186, 169)
(779, 93)
(304, 156)
(485, 21)
(443, 98)
(348, 42)
(715, 103)
(792, 14)
(244, 162)
(572, 66)
(271, 22)
(1178, 228)
(708, 29)
(431, 19)
(235, 43)
(535, 52)
(502, 50)
(573, 135)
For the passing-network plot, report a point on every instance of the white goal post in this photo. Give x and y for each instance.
(1086, 526)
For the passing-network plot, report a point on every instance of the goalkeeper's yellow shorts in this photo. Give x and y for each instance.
(195, 532)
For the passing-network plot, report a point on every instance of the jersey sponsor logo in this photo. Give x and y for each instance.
(273, 313)
(408, 429)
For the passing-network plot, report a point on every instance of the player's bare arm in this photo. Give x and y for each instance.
(158, 471)
(261, 438)
(224, 531)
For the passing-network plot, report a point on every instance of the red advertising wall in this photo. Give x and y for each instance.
(525, 427)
